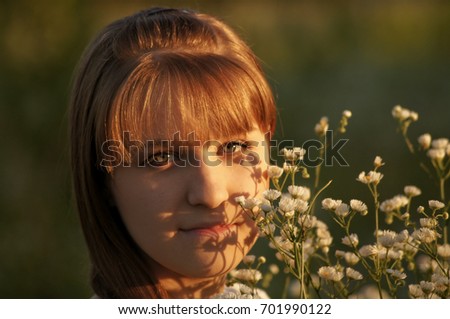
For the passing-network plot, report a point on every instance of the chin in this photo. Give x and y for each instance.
(207, 265)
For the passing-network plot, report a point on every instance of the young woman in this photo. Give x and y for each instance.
(170, 116)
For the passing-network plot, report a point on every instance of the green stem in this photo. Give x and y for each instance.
(442, 193)
(318, 167)
(377, 207)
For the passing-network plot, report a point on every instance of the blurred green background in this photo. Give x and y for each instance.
(320, 56)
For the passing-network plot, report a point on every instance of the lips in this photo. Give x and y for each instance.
(210, 229)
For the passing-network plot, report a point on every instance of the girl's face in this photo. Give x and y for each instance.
(180, 209)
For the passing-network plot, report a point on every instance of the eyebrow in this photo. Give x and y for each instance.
(192, 142)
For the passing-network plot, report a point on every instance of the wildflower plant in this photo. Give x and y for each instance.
(416, 256)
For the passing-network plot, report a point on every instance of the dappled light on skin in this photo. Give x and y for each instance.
(185, 218)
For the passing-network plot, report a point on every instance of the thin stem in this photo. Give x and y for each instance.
(407, 141)
(303, 271)
(318, 167)
(442, 193)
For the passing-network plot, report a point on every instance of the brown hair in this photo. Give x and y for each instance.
(169, 66)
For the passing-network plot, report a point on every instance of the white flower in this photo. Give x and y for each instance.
(330, 204)
(299, 152)
(351, 240)
(324, 236)
(307, 221)
(415, 291)
(396, 274)
(274, 171)
(440, 282)
(402, 237)
(342, 210)
(347, 114)
(271, 194)
(240, 200)
(444, 251)
(426, 286)
(424, 141)
(448, 150)
(412, 191)
(287, 204)
(353, 274)
(250, 275)
(294, 154)
(321, 127)
(321, 225)
(378, 161)
(228, 294)
(387, 238)
(330, 273)
(440, 143)
(299, 192)
(266, 206)
(401, 200)
(371, 177)
(368, 250)
(394, 203)
(403, 114)
(436, 154)
(241, 291)
(249, 259)
(435, 204)
(358, 206)
(394, 254)
(398, 112)
(351, 258)
(302, 206)
(428, 222)
(425, 235)
(250, 203)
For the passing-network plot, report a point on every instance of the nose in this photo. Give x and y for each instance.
(208, 186)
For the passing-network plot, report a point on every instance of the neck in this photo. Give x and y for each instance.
(182, 288)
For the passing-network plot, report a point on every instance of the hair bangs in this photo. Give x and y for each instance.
(183, 95)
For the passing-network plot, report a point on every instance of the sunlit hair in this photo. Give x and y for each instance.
(155, 72)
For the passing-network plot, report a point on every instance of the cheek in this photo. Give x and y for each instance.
(144, 204)
(252, 180)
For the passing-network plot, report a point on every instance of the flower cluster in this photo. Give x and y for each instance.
(415, 256)
(243, 283)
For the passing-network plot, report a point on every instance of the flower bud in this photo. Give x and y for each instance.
(424, 141)
(347, 114)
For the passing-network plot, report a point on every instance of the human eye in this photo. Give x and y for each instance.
(232, 147)
(160, 159)
(166, 159)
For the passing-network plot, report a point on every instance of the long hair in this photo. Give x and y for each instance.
(169, 66)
